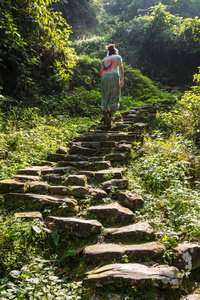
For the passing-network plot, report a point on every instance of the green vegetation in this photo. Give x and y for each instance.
(26, 137)
(50, 93)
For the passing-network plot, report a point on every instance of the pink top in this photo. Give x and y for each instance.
(111, 64)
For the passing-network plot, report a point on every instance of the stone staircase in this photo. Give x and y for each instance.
(82, 190)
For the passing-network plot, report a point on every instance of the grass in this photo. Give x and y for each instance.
(163, 169)
(26, 137)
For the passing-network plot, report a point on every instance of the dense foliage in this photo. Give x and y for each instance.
(164, 46)
(80, 14)
(35, 56)
(50, 93)
(127, 10)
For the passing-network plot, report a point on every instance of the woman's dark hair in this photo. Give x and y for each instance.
(111, 49)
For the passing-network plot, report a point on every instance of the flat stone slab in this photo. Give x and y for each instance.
(55, 157)
(32, 171)
(113, 212)
(123, 147)
(135, 252)
(115, 173)
(116, 156)
(62, 150)
(114, 184)
(188, 256)
(25, 178)
(119, 127)
(99, 165)
(56, 170)
(10, 185)
(29, 216)
(80, 180)
(58, 190)
(82, 150)
(194, 296)
(107, 136)
(78, 191)
(54, 178)
(141, 125)
(38, 187)
(75, 191)
(31, 201)
(75, 157)
(130, 200)
(74, 226)
(134, 232)
(139, 274)
(98, 194)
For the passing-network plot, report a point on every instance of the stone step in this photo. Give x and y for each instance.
(116, 157)
(187, 256)
(11, 185)
(56, 157)
(28, 201)
(163, 277)
(25, 178)
(29, 216)
(149, 108)
(140, 231)
(98, 165)
(95, 144)
(194, 296)
(114, 184)
(123, 147)
(112, 213)
(75, 149)
(136, 118)
(74, 226)
(136, 252)
(75, 191)
(56, 170)
(62, 150)
(32, 171)
(80, 180)
(38, 187)
(54, 178)
(116, 173)
(119, 127)
(108, 136)
(130, 200)
(98, 194)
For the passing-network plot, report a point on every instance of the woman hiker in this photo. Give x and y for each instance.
(112, 80)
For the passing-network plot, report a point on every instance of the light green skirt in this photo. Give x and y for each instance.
(110, 92)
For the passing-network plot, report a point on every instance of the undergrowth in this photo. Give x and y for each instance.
(26, 137)
(165, 170)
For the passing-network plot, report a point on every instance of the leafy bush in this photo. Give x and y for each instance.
(163, 163)
(185, 118)
(86, 73)
(93, 47)
(140, 87)
(165, 170)
(36, 56)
